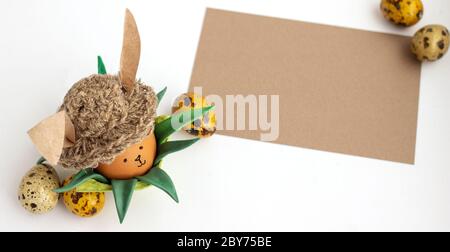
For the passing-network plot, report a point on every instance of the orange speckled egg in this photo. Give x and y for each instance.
(136, 160)
(83, 204)
(402, 12)
(203, 127)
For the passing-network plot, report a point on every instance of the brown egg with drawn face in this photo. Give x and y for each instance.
(135, 161)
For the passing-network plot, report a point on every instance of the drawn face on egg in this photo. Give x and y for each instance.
(134, 161)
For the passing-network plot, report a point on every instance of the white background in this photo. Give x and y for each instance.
(224, 184)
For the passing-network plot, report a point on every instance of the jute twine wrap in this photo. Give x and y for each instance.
(107, 119)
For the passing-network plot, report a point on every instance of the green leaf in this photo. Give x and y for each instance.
(161, 94)
(81, 177)
(41, 160)
(93, 185)
(123, 192)
(161, 118)
(165, 128)
(159, 178)
(100, 65)
(173, 146)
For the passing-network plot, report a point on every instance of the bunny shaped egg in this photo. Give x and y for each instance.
(105, 113)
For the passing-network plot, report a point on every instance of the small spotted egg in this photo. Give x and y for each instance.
(430, 43)
(36, 189)
(83, 204)
(203, 127)
(402, 12)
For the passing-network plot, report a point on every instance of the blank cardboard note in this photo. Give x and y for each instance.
(340, 90)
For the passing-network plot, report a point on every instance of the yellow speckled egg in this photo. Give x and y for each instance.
(402, 12)
(430, 43)
(203, 127)
(36, 189)
(83, 204)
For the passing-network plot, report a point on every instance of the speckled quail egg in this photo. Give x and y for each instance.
(203, 127)
(83, 204)
(402, 12)
(36, 189)
(430, 43)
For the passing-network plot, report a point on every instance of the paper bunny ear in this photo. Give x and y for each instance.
(131, 52)
(53, 134)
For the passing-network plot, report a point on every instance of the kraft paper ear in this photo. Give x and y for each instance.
(131, 51)
(53, 134)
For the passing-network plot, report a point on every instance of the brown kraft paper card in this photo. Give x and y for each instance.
(340, 90)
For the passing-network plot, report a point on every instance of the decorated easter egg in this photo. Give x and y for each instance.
(402, 12)
(36, 189)
(83, 204)
(135, 161)
(430, 43)
(204, 127)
